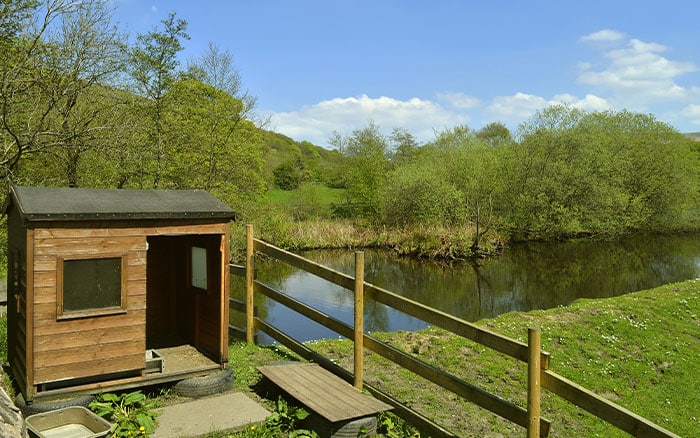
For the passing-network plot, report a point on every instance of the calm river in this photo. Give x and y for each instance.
(525, 277)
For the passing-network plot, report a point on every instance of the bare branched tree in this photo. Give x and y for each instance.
(65, 50)
(216, 67)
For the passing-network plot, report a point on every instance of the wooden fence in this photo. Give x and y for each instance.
(539, 375)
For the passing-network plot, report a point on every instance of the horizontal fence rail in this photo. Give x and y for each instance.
(604, 409)
(495, 341)
(447, 381)
(415, 418)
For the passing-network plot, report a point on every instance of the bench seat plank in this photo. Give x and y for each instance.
(322, 391)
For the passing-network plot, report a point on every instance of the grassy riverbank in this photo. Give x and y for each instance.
(434, 242)
(641, 351)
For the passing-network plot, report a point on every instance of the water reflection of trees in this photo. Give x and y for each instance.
(545, 275)
(317, 292)
(237, 291)
(524, 277)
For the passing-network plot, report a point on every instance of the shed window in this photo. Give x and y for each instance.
(199, 267)
(91, 286)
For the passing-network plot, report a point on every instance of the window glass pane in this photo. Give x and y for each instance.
(199, 267)
(92, 284)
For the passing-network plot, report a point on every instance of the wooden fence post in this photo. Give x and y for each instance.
(249, 277)
(359, 319)
(534, 345)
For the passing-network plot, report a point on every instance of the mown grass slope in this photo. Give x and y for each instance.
(641, 350)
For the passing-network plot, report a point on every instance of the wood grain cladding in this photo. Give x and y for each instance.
(83, 347)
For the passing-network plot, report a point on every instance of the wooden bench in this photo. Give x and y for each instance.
(341, 405)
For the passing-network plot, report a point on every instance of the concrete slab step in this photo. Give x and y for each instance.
(199, 417)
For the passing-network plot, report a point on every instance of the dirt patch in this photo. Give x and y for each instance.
(183, 358)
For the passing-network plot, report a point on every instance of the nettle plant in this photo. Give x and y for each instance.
(286, 418)
(131, 414)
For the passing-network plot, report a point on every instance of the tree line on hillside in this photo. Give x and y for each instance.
(82, 105)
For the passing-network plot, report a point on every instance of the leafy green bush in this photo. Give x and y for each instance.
(131, 413)
(287, 176)
(391, 426)
(419, 193)
(286, 418)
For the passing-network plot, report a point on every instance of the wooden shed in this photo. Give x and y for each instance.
(113, 289)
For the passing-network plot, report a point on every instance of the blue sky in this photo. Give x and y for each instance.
(318, 66)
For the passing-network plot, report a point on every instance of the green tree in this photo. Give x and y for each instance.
(85, 54)
(550, 169)
(121, 164)
(288, 176)
(15, 16)
(154, 68)
(310, 163)
(57, 62)
(418, 193)
(216, 67)
(210, 146)
(603, 172)
(475, 167)
(403, 146)
(366, 166)
(495, 133)
(455, 180)
(24, 114)
(652, 175)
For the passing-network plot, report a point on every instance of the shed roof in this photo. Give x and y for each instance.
(39, 204)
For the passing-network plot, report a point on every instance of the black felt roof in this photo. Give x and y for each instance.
(77, 204)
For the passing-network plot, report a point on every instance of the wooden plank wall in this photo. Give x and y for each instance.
(209, 304)
(160, 299)
(89, 346)
(83, 347)
(17, 297)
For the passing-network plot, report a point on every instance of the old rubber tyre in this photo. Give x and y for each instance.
(362, 427)
(48, 406)
(214, 383)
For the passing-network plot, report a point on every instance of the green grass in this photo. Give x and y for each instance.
(244, 358)
(306, 194)
(324, 195)
(641, 351)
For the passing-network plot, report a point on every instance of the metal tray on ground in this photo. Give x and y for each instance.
(71, 422)
(155, 363)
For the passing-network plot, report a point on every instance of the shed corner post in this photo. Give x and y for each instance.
(359, 319)
(534, 345)
(30, 364)
(249, 277)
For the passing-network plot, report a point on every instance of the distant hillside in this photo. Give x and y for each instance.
(694, 135)
(315, 161)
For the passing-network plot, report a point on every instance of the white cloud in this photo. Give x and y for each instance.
(521, 106)
(459, 100)
(628, 73)
(589, 103)
(606, 35)
(692, 113)
(637, 75)
(517, 106)
(316, 123)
